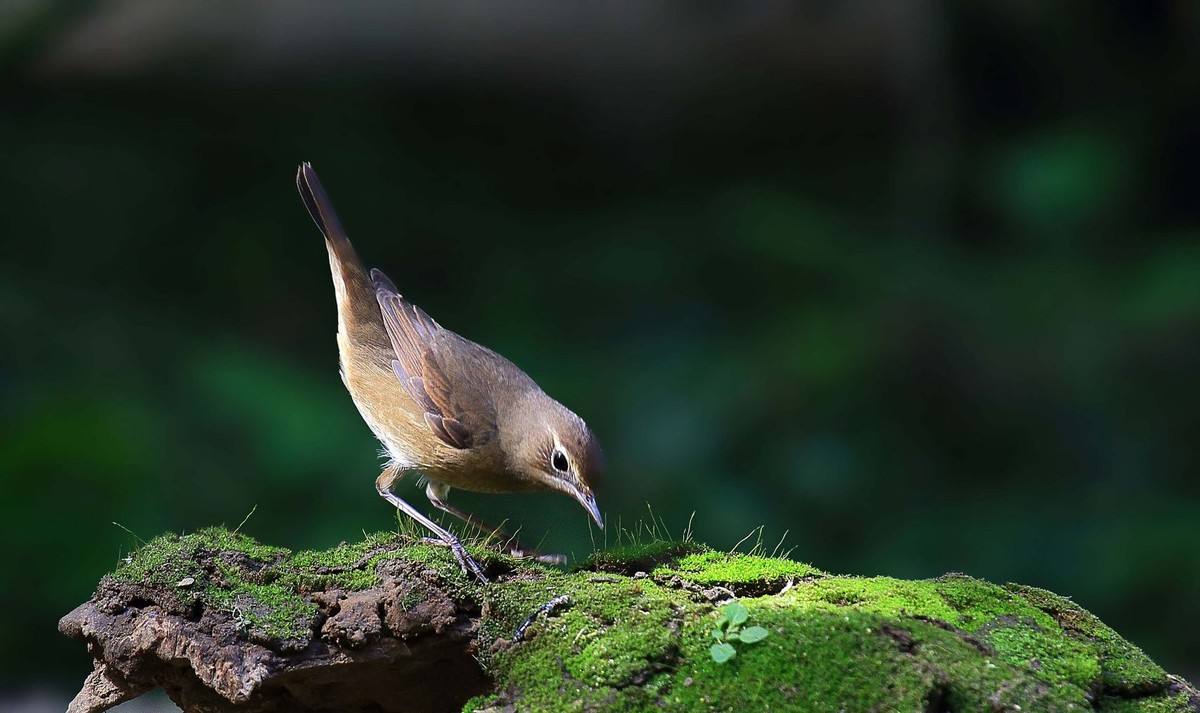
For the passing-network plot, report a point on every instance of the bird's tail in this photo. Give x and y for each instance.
(316, 200)
(358, 312)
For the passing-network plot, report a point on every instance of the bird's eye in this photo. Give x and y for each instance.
(559, 461)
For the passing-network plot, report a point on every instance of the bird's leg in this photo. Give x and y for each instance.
(383, 484)
(437, 493)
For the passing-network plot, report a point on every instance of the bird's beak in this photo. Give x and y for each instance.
(588, 500)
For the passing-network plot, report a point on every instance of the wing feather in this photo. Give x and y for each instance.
(412, 333)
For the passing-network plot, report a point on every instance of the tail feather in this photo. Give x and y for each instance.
(358, 313)
(316, 200)
(320, 208)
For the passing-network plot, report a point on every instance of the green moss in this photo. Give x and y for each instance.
(1124, 667)
(719, 568)
(336, 568)
(162, 561)
(641, 557)
(265, 587)
(1055, 658)
(625, 643)
(834, 661)
(836, 643)
(169, 558)
(958, 602)
(879, 595)
(977, 603)
(218, 538)
(597, 650)
(271, 611)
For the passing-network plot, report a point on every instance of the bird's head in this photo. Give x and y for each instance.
(557, 451)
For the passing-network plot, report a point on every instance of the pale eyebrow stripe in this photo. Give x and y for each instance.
(558, 445)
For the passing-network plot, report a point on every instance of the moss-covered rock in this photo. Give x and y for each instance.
(632, 629)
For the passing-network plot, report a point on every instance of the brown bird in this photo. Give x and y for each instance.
(458, 412)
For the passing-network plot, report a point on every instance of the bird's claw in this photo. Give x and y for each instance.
(471, 567)
(468, 564)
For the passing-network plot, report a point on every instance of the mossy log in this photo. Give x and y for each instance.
(223, 623)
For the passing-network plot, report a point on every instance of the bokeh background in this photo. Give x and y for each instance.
(917, 283)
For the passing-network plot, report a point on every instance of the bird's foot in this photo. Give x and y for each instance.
(468, 564)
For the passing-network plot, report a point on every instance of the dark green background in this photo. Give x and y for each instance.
(927, 306)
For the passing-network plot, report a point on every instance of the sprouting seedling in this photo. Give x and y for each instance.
(729, 628)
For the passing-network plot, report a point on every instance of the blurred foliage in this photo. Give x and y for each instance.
(971, 347)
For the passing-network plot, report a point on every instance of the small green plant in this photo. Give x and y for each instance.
(729, 628)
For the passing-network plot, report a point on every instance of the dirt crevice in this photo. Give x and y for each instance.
(938, 699)
(980, 645)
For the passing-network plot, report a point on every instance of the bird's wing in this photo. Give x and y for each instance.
(413, 334)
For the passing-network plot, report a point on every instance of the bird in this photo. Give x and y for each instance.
(456, 412)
